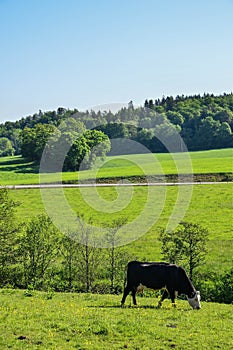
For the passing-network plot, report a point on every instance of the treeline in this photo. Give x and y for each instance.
(204, 122)
(36, 255)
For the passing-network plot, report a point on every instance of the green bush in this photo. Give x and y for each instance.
(216, 288)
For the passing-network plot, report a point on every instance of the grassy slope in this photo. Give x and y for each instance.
(211, 206)
(15, 170)
(96, 322)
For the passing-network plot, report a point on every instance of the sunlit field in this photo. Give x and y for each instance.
(16, 170)
(211, 206)
(85, 321)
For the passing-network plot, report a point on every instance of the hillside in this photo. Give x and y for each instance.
(211, 206)
(203, 122)
(214, 165)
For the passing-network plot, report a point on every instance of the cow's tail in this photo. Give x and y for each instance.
(124, 284)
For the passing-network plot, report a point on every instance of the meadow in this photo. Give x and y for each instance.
(40, 320)
(16, 170)
(210, 206)
(36, 320)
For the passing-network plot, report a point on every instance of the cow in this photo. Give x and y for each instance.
(159, 275)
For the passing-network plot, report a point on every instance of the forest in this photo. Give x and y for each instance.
(204, 122)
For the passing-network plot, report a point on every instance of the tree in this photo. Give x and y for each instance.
(224, 136)
(90, 255)
(175, 117)
(39, 247)
(99, 145)
(130, 105)
(171, 246)
(115, 130)
(186, 244)
(70, 253)
(78, 150)
(206, 135)
(81, 144)
(15, 139)
(6, 148)
(114, 254)
(9, 230)
(35, 139)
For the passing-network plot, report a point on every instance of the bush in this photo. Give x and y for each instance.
(216, 288)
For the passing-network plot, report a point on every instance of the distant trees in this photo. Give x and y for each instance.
(95, 145)
(204, 122)
(84, 146)
(34, 140)
(6, 148)
(200, 118)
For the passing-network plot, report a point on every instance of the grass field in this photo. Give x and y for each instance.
(15, 170)
(211, 206)
(87, 321)
(96, 322)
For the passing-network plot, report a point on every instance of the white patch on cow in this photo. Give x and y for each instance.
(140, 288)
(195, 301)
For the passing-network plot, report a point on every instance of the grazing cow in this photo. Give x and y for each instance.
(158, 275)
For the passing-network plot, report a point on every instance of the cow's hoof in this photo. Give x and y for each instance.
(173, 305)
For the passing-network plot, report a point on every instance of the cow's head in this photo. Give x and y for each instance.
(194, 300)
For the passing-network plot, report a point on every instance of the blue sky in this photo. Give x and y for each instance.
(85, 53)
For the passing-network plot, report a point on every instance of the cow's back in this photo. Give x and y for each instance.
(153, 275)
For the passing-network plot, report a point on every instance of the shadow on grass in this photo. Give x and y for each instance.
(19, 165)
(124, 307)
(142, 307)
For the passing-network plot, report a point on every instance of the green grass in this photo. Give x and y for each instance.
(86, 321)
(211, 206)
(15, 170)
(214, 161)
(96, 322)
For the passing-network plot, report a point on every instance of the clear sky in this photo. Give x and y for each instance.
(82, 53)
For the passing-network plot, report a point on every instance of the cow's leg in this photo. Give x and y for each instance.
(173, 296)
(134, 296)
(164, 296)
(126, 292)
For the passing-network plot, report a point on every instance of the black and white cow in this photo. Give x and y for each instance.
(158, 275)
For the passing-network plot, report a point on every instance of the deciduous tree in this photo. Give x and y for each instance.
(187, 244)
(39, 248)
